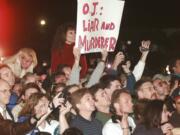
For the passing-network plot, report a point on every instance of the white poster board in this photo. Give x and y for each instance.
(98, 24)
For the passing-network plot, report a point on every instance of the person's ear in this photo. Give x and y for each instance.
(140, 94)
(116, 106)
(174, 105)
(78, 106)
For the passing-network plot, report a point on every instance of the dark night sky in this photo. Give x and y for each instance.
(142, 19)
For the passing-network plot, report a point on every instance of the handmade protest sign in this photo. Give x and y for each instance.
(98, 24)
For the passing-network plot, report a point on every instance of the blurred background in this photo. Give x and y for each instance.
(32, 23)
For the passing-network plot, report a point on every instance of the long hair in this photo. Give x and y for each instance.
(28, 109)
(60, 36)
(152, 114)
(30, 52)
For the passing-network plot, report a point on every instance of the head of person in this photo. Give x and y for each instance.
(155, 113)
(175, 65)
(29, 89)
(161, 87)
(58, 88)
(100, 96)
(82, 101)
(36, 104)
(110, 83)
(4, 92)
(65, 69)
(176, 99)
(121, 102)
(27, 58)
(65, 33)
(145, 89)
(72, 131)
(7, 74)
(59, 77)
(139, 108)
(161, 84)
(29, 78)
(72, 88)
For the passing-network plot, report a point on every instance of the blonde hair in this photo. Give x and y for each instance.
(30, 52)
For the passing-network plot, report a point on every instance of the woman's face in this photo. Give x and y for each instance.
(42, 107)
(26, 61)
(70, 36)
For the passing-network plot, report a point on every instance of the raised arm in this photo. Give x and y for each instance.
(139, 68)
(98, 71)
(75, 72)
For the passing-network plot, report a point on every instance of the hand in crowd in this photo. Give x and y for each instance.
(64, 109)
(119, 58)
(77, 53)
(144, 48)
(104, 54)
(166, 129)
(126, 67)
(57, 101)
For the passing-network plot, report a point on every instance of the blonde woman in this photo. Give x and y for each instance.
(22, 62)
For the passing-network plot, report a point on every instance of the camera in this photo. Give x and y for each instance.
(66, 95)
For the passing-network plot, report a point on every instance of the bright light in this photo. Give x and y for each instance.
(129, 42)
(44, 64)
(167, 69)
(109, 65)
(42, 22)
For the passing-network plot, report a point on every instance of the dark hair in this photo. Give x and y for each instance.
(107, 79)
(60, 67)
(28, 86)
(76, 97)
(28, 109)
(139, 83)
(60, 36)
(95, 88)
(72, 131)
(172, 63)
(139, 108)
(152, 114)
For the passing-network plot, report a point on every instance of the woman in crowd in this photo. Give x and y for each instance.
(155, 120)
(62, 49)
(22, 62)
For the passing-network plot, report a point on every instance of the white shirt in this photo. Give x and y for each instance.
(7, 114)
(111, 128)
(50, 128)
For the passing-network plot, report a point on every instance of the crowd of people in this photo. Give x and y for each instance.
(72, 99)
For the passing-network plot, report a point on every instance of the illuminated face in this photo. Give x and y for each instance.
(161, 87)
(124, 104)
(102, 99)
(86, 103)
(4, 93)
(147, 91)
(67, 71)
(113, 86)
(177, 67)
(42, 107)
(70, 36)
(7, 75)
(177, 105)
(26, 61)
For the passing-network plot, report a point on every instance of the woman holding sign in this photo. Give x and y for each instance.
(62, 49)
